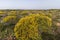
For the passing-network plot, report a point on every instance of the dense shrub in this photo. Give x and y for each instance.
(30, 27)
(8, 22)
(9, 19)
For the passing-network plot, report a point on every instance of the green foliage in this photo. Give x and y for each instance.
(49, 15)
(1, 27)
(47, 36)
(28, 27)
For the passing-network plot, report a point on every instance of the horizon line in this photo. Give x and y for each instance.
(33, 9)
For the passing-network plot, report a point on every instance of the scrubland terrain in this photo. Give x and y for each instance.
(30, 24)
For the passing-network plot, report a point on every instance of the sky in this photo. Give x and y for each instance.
(29, 4)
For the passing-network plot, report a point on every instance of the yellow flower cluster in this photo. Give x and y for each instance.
(28, 27)
(8, 18)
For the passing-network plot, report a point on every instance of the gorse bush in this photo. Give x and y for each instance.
(26, 29)
(9, 19)
(8, 22)
(30, 27)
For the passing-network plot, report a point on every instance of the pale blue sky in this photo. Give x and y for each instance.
(29, 4)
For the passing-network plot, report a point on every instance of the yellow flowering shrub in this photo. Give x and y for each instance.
(12, 13)
(24, 13)
(28, 27)
(1, 12)
(9, 19)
